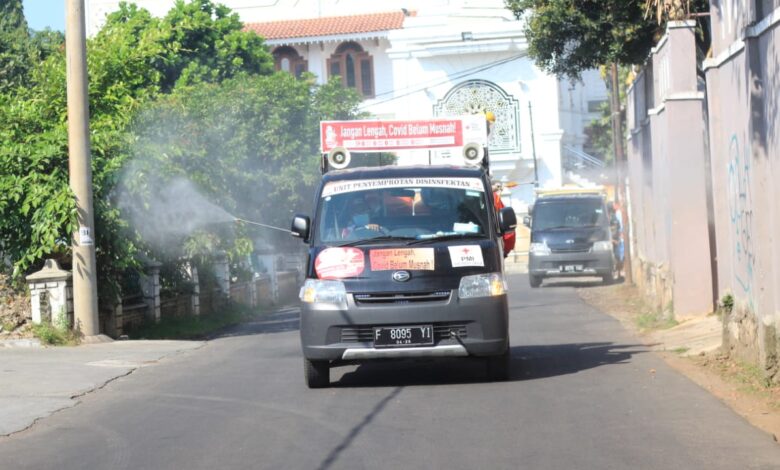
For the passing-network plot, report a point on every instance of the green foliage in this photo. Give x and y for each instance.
(14, 44)
(727, 302)
(131, 61)
(188, 95)
(567, 37)
(54, 336)
(194, 327)
(598, 135)
(250, 145)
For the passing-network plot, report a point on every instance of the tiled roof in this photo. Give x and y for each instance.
(330, 26)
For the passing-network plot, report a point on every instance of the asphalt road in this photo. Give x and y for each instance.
(584, 394)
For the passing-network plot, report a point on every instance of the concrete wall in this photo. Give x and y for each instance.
(667, 176)
(743, 89)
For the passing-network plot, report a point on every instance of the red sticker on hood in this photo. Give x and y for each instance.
(338, 263)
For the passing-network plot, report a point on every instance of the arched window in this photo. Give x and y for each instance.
(287, 59)
(354, 66)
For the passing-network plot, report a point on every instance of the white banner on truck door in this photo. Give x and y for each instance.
(349, 186)
(466, 255)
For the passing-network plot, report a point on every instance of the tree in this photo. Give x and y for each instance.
(189, 95)
(567, 37)
(257, 157)
(14, 44)
(131, 61)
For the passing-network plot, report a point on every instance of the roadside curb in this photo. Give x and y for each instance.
(21, 343)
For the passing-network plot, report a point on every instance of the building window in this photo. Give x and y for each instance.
(287, 60)
(595, 106)
(354, 66)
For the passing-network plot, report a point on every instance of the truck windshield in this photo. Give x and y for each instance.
(390, 209)
(568, 213)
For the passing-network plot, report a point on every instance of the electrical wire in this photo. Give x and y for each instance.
(455, 76)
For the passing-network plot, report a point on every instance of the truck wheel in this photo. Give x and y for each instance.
(317, 373)
(498, 366)
(534, 281)
(612, 277)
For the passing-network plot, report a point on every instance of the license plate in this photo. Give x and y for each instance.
(571, 268)
(394, 336)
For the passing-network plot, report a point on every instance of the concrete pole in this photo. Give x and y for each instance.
(620, 165)
(84, 265)
(533, 144)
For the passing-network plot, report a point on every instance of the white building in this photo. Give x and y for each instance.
(419, 59)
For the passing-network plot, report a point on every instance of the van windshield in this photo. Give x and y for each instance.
(405, 208)
(548, 215)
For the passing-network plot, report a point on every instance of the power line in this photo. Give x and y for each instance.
(461, 74)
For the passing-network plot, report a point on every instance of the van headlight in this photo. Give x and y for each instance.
(539, 249)
(482, 285)
(326, 292)
(602, 246)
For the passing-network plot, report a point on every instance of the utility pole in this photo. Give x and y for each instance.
(83, 245)
(620, 165)
(533, 144)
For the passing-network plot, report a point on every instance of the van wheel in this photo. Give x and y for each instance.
(611, 278)
(317, 373)
(534, 281)
(498, 366)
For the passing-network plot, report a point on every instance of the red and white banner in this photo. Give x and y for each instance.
(379, 136)
(338, 263)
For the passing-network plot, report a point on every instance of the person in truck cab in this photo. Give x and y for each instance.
(359, 218)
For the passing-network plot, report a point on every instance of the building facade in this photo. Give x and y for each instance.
(414, 60)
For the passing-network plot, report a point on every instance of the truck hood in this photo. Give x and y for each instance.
(571, 238)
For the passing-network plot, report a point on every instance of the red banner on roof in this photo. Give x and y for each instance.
(379, 136)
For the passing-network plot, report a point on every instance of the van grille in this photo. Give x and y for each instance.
(402, 298)
(574, 249)
(365, 334)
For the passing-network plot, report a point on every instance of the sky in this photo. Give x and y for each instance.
(45, 13)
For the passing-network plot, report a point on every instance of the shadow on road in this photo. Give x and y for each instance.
(576, 282)
(278, 322)
(528, 363)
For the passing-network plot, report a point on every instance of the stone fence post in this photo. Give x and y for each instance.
(150, 286)
(192, 270)
(222, 273)
(51, 295)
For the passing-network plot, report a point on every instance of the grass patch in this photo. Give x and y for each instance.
(192, 327)
(655, 321)
(748, 377)
(681, 350)
(52, 336)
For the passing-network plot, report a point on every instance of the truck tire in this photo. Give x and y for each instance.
(534, 281)
(317, 373)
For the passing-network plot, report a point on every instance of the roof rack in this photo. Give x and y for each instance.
(340, 139)
(570, 191)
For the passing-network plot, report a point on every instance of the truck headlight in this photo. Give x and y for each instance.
(540, 249)
(482, 285)
(602, 246)
(328, 292)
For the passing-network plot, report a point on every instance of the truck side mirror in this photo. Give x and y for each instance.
(300, 227)
(507, 220)
(527, 221)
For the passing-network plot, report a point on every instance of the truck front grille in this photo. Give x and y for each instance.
(402, 297)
